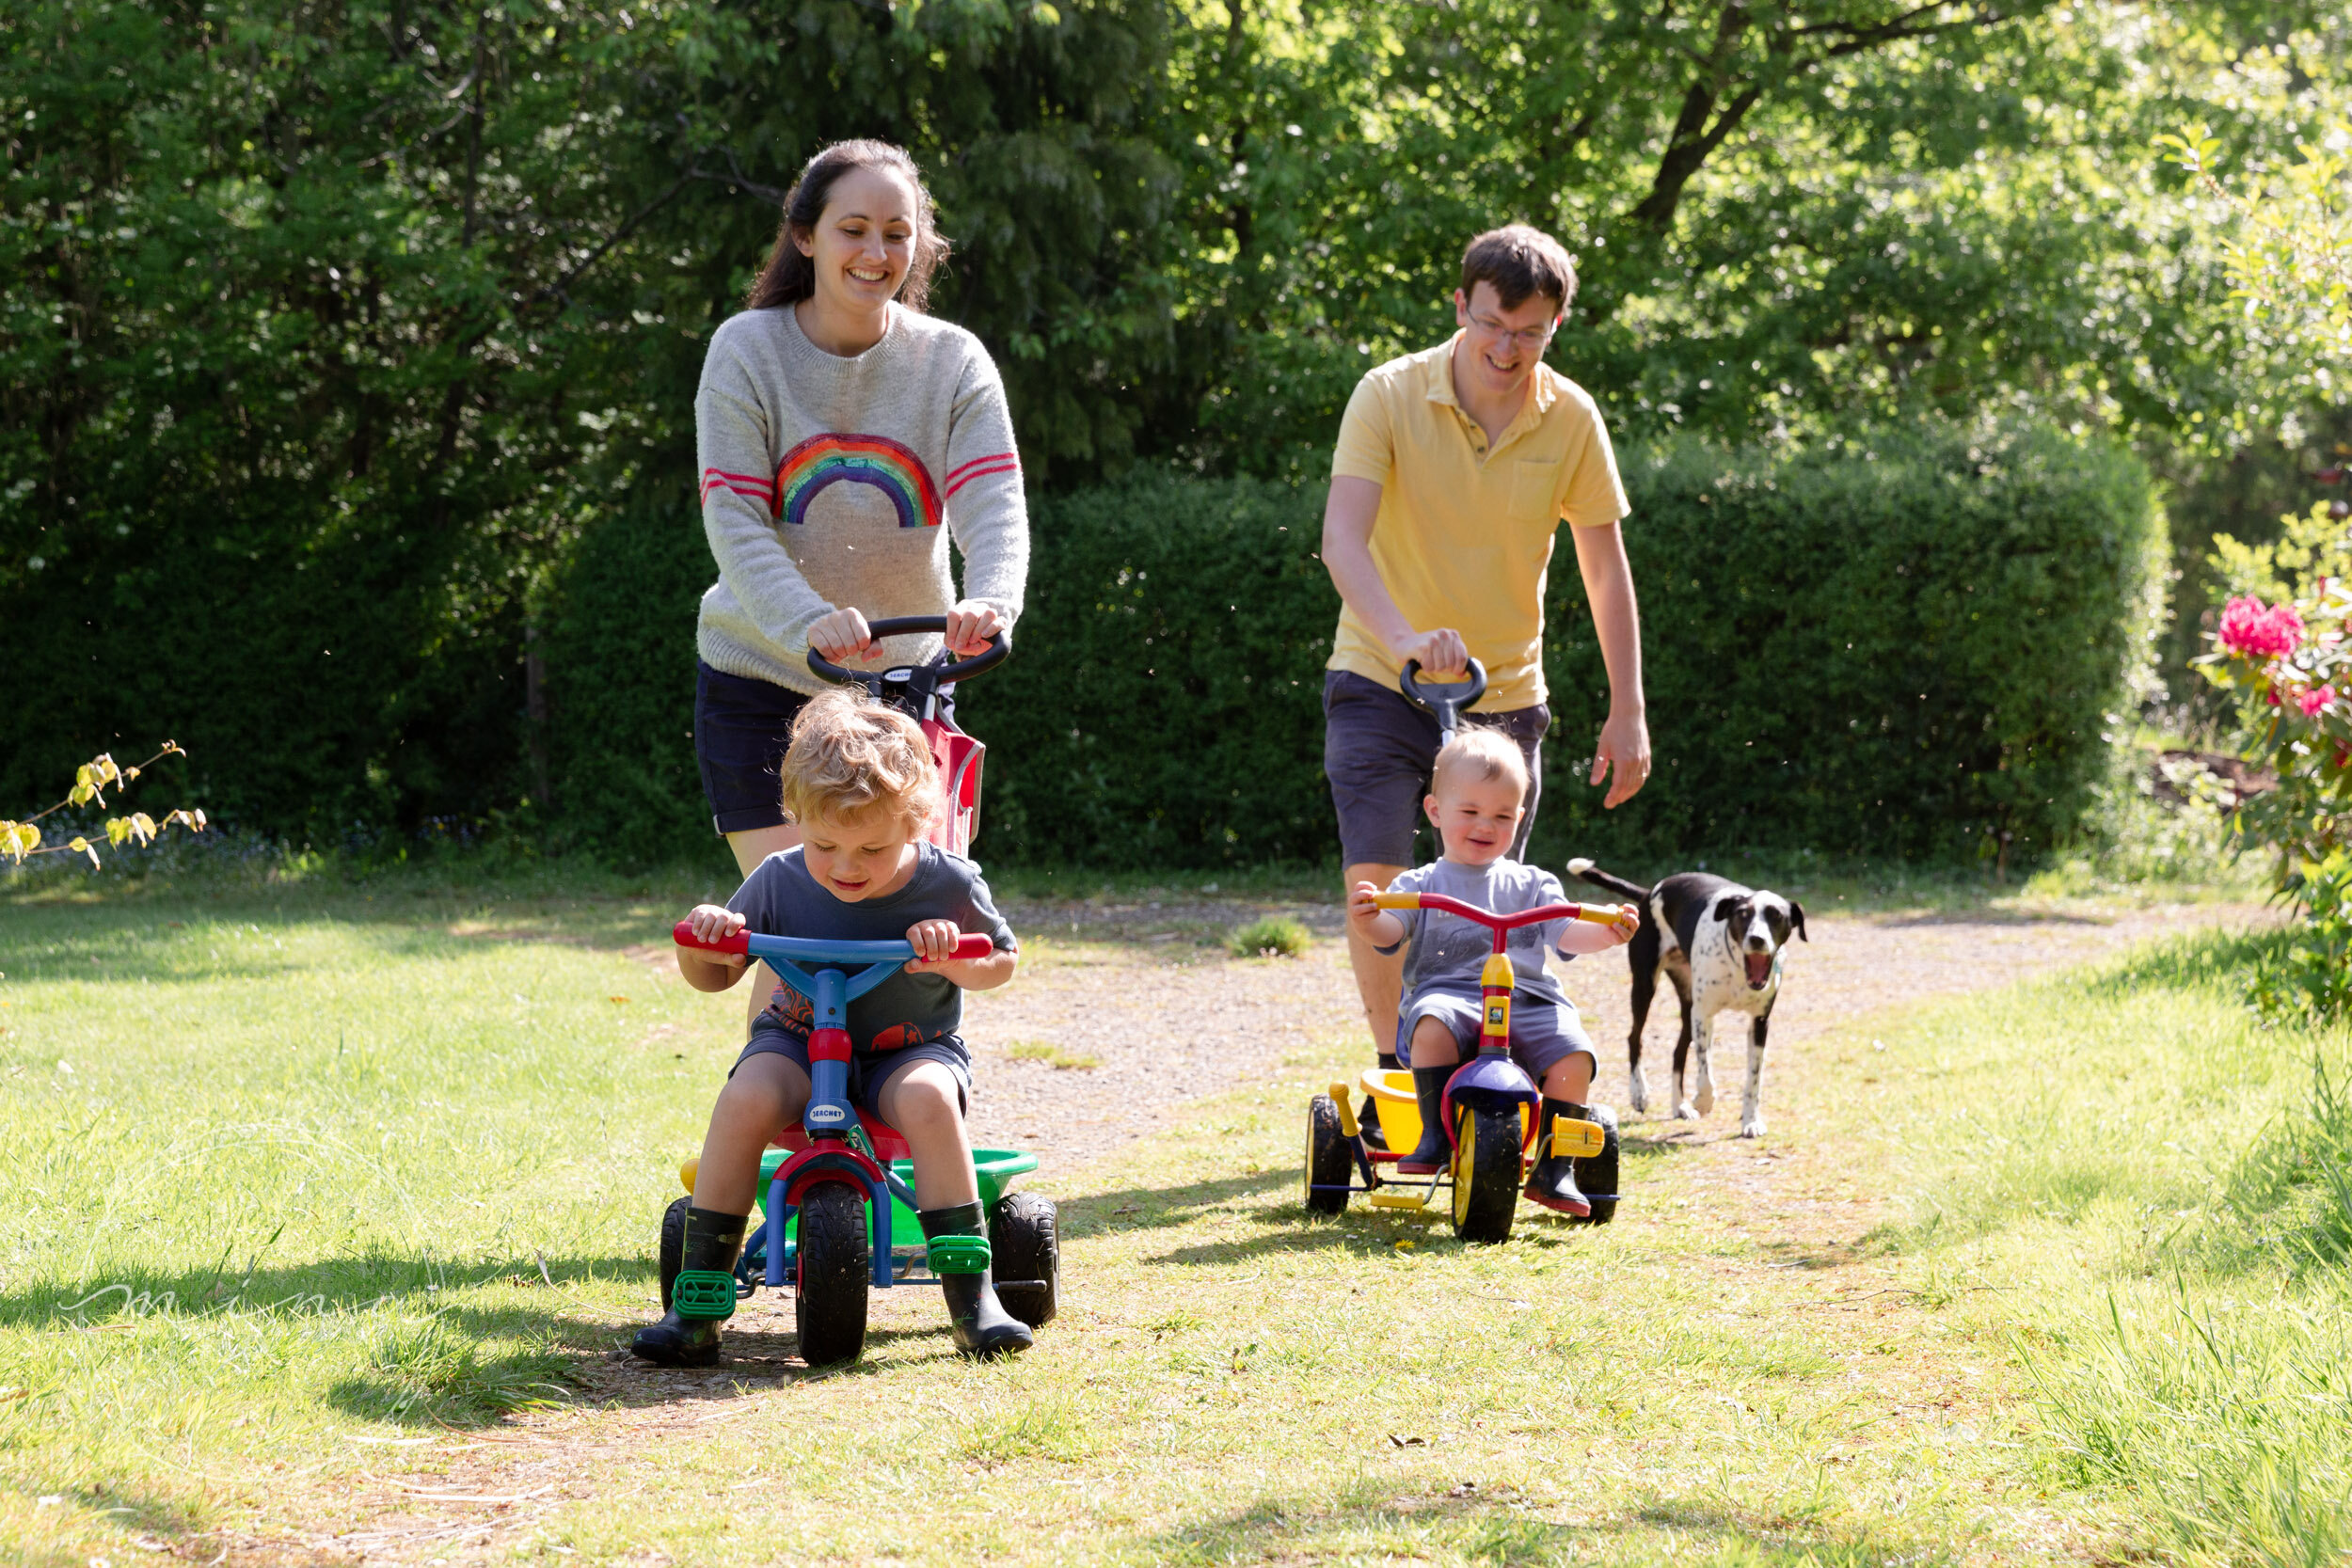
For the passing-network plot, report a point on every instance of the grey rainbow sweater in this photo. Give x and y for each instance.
(829, 482)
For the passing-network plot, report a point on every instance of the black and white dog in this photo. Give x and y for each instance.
(1721, 945)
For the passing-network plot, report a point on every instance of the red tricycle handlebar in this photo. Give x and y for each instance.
(816, 950)
(1600, 915)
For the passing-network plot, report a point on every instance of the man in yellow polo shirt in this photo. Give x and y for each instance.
(1454, 471)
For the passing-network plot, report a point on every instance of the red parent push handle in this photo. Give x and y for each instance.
(816, 950)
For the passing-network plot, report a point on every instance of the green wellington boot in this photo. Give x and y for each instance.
(1369, 1118)
(956, 1244)
(1436, 1151)
(1552, 1182)
(701, 1298)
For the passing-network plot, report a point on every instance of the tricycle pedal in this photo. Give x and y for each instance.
(1418, 1199)
(1578, 1140)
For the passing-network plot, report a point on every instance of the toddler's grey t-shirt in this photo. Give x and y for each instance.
(1444, 951)
(781, 899)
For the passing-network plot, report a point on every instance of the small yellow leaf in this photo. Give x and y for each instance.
(142, 826)
(117, 829)
(78, 846)
(81, 793)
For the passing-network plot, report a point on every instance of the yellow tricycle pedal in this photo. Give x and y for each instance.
(1417, 1198)
(686, 1171)
(1580, 1140)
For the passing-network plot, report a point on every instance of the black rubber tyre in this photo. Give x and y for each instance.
(1025, 1243)
(1485, 1173)
(836, 1265)
(1598, 1173)
(673, 1254)
(1327, 1162)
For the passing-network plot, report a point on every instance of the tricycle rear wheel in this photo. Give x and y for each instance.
(673, 1254)
(1598, 1173)
(1486, 1172)
(835, 1258)
(1328, 1164)
(1025, 1244)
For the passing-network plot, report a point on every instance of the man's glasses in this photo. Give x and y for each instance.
(1526, 337)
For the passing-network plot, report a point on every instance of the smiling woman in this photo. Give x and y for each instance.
(839, 429)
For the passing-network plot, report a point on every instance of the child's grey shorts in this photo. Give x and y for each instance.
(869, 1070)
(1542, 1032)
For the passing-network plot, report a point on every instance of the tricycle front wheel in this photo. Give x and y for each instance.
(835, 1263)
(1486, 1172)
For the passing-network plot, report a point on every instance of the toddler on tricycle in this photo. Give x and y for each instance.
(1476, 927)
(845, 1065)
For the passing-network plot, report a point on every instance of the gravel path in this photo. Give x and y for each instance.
(1167, 1018)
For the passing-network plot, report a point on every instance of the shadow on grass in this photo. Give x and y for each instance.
(2200, 961)
(1486, 1523)
(429, 1349)
(1158, 1208)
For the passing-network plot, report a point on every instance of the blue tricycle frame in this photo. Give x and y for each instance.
(834, 1146)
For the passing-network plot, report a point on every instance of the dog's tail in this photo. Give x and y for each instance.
(1585, 868)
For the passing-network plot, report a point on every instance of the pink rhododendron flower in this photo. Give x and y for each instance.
(2318, 697)
(2257, 630)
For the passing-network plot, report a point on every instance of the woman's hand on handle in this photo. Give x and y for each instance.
(841, 636)
(969, 625)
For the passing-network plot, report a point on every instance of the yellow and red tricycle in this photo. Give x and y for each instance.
(1490, 1106)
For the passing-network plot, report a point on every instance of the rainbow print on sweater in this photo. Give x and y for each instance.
(886, 465)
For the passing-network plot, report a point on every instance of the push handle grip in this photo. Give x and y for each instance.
(999, 649)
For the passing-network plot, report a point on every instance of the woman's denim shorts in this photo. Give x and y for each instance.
(742, 728)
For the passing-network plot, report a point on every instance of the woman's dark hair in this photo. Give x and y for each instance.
(790, 276)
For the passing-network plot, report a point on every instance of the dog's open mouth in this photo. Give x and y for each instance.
(1759, 970)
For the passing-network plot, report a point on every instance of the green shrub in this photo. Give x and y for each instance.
(1273, 936)
(620, 663)
(1913, 648)
(1917, 647)
(1921, 645)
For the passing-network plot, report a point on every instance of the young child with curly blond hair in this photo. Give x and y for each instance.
(859, 782)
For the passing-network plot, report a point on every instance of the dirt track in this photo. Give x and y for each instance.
(1170, 1018)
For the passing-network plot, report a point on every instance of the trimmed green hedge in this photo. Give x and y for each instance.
(1906, 648)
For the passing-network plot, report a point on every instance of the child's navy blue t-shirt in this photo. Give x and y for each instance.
(781, 899)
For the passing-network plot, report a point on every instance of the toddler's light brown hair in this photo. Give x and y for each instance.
(1479, 753)
(852, 755)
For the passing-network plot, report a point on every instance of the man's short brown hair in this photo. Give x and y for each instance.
(1519, 261)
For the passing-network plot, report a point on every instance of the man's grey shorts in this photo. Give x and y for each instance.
(1542, 1032)
(869, 1070)
(1376, 751)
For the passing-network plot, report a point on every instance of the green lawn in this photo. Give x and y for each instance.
(333, 1202)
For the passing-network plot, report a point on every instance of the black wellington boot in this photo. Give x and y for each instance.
(1369, 1118)
(956, 1243)
(701, 1298)
(1436, 1151)
(1552, 1182)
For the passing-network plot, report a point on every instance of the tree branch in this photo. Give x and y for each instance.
(1693, 139)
